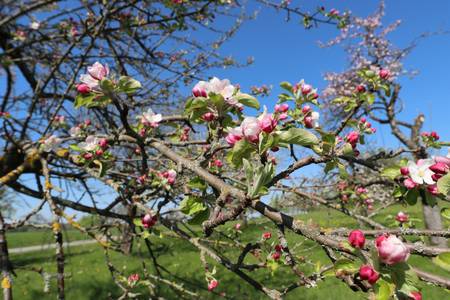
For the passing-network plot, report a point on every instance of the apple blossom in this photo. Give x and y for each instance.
(439, 168)
(420, 173)
(51, 143)
(96, 73)
(443, 159)
(391, 249)
(409, 183)
(281, 108)
(306, 109)
(433, 189)
(267, 122)
(149, 118)
(384, 74)
(90, 144)
(283, 116)
(200, 89)
(352, 138)
(251, 129)
(83, 88)
(312, 121)
(212, 285)
(356, 238)
(103, 143)
(170, 175)
(361, 190)
(404, 171)
(216, 86)
(306, 89)
(276, 255)
(208, 117)
(234, 135)
(237, 226)
(401, 217)
(267, 235)
(75, 131)
(149, 220)
(218, 163)
(415, 295)
(35, 25)
(133, 278)
(360, 89)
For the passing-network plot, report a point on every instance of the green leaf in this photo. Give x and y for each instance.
(342, 171)
(84, 99)
(383, 289)
(443, 260)
(430, 199)
(192, 205)
(137, 222)
(391, 172)
(199, 218)
(347, 150)
(75, 147)
(445, 212)
(107, 85)
(411, 196)
(287, 86)
(129, 85)
(197, 183)
(443, 185)
(247, 100)
(298, 136)
(257, 178)
(242, 149)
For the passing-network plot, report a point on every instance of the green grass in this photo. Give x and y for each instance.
(40, 237)
(89, 278)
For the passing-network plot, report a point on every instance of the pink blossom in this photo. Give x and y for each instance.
(83, 88)
(251, 129)
(356, 238)
(218, 163)
(234, 135)
(306, 109)
(103, 143)
(409, 183)
(267, 235)
(133, 278)
(415, 295)
(401, 217)
(404, 171)
(96, 73)
(237, 226)
(384, 74)
(442, 159)
(149, 221)
(170, 175)
(433, 189)
(440, 168)
(281, 108)
(276, 255)
(306, 89)
(212, 285)
(267, 122)
(283, 116)
(391, 249)
(361, 190)
(353, 138)
(208, 117)
(149, 118)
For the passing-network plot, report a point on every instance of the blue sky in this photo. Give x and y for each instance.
(285, 51)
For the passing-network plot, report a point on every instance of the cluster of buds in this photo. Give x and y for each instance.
(150, 119)
(305, 90)
(367, 272)
(429, 138)
(277, 253)
(365, 126)
(263, 90)
(401, 217)
(281, 111)
(59, 121)
(5, 114)
(149, 220)
(251, 127)
(133, 279)
(426, 172)
(209, 117)
(216, 163)
(168, 176)
(93, 147)
(310, 117)
(77, 131)
(185, 134)
(352, 138)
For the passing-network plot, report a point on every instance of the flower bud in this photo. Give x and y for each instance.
(409, 183)
(267, 235)
(83, 88)
(276, 255)
(306, 109)
(267, 123)
(433, 189)
(391, 249)
(237, 226)
(384, 74)
(148, 220)
(88, 156)
(212, 285)
(357, 239)
(218, 163)
(434, 135)
(404, 171)
(99, 152)
(208, 117)
(308, 122)
(306, 89)
(401, 217)
(103, 143)
(360, 89)
(281, 108)
(439, 168)
(365, 272)
(415, 295)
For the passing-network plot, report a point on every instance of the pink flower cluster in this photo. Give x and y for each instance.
(185, 134)
(391, 249)
(149, 220)
(366, 126)
(425, 172)
(91, 80)
(401, 217)
(310, 117)
(218, 87)
(169, 175)
(251, 127)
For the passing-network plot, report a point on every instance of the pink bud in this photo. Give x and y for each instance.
(88, 156)
(361, 190)
(404, 171)
(436, 177)
(401, 217)
(281, 108)
(267, 235)
(373, 278)
(306, 109)
(218, 163)
(308, 122)
(208, 117)
(237, 226)
(353, 138)
(363, 120)
(409, 183)
(434, 135)
(278, 248)
(433, 189)
(356, 238)
(212, 285)
(384, 74)
(315, 96)
(391, 250)
(415, 295)
(103, 143)
(368, 125)
(373, 130)
(439, 168)
(83, 88)
(87, 122)
(149, 220)
(99, 152)
(276, 255)
(366, 272)
(283, 116)
(360, 89)
(425, 134)
(306, 89)
(232, 138)
(267, 123)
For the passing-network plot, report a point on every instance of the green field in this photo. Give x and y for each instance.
(89, 278)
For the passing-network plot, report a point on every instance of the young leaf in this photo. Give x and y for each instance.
(247, 100)
(298, 136)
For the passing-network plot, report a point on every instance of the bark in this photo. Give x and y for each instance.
(5, 265)
(432, 218)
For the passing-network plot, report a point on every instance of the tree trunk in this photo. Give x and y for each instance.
(126, 240)
(432, 219)
(5, 264)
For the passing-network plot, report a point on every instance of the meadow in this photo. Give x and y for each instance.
(89, 278)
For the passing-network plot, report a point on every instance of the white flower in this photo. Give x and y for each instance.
(315, 119)
(90, 144)
(420, 173)
(150, 118)
(51, 143)
(75, 131)
(35, 25)
(217, 86)
(96, 72)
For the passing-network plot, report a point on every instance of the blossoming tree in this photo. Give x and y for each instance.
(211, 162)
